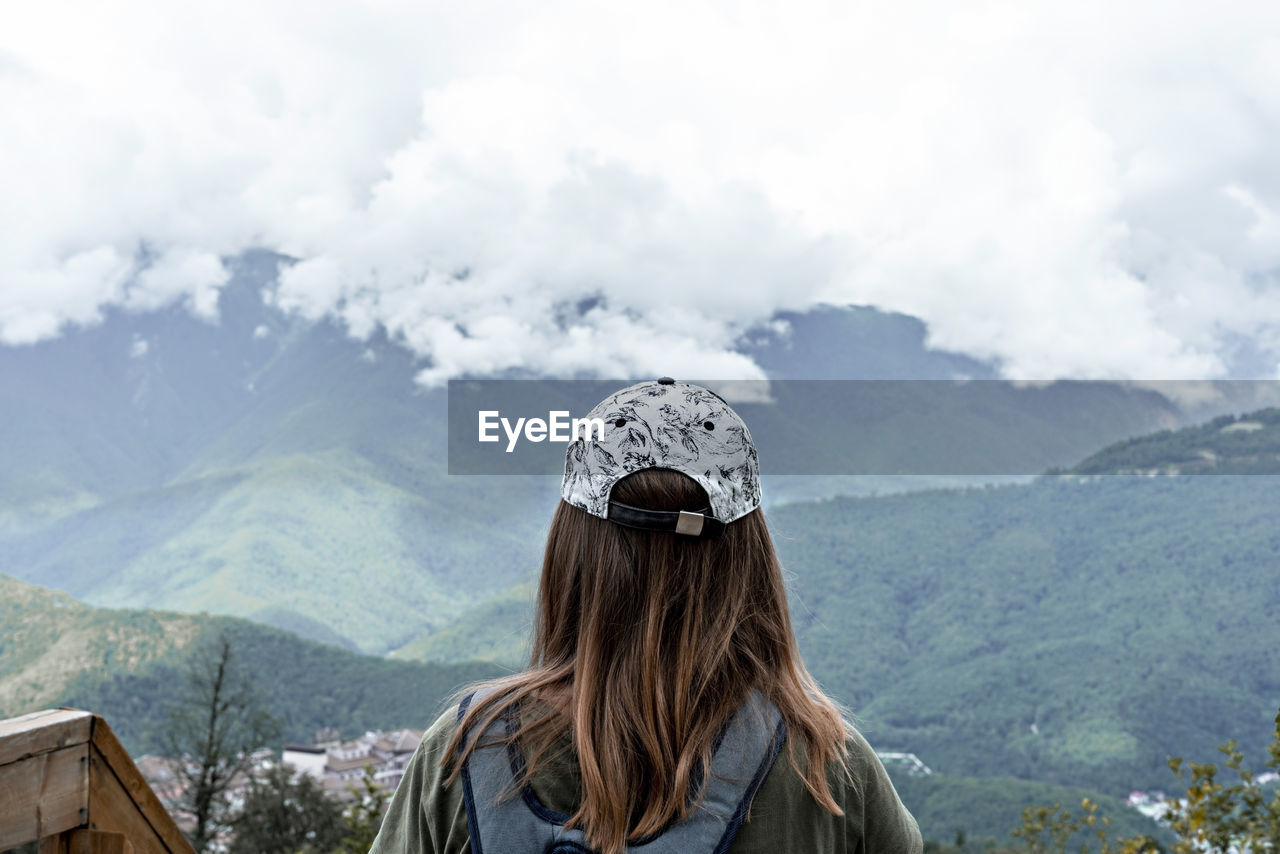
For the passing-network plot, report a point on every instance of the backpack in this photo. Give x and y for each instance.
(742, 755)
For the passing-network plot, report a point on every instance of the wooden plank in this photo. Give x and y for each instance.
(98, 842)
(43, 795)
(86, 842)
(116, 764)
(55, 844)
(41, 732)
(112, 808)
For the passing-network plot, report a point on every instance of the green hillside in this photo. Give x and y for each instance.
(1069, 631)
(307, 540)
(498, 629)
(1229, 444)
(988, 809)
(124, 665)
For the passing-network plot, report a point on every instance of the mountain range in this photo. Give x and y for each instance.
(1073, 630)
(274, 468)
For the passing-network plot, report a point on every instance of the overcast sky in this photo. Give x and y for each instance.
(1085, 189)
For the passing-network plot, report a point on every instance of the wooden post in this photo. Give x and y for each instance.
(82, 841)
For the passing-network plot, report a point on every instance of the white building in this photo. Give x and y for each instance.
(306, 759)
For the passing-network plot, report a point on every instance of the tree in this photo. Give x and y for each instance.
(1051, 829)
(287, 813)
(1218, 816)
(364, 817)
(215, 724)
(1213, 817)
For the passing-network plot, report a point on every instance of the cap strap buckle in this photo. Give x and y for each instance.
(689, 524)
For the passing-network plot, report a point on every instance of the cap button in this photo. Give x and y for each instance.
(666, 381)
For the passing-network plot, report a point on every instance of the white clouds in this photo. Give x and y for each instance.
(1069, 197)
(180, 273)
(37, 300)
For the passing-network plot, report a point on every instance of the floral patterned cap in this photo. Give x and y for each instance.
(669, 425)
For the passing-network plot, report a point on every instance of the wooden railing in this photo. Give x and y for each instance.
(66, 782)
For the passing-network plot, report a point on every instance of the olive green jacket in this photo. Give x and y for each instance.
(426, 815)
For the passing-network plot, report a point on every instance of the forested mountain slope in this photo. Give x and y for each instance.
(1073, 630)
(1229, 444)
(127, 666)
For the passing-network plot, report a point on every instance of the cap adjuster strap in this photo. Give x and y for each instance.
(690, 524)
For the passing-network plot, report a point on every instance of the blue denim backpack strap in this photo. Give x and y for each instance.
(500, 822)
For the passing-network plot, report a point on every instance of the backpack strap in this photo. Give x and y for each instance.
(500, 823)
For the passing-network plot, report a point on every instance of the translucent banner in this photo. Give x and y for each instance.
(905, 427)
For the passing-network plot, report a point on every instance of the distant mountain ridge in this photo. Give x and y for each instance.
(855, 343)
(1226, 445)
(277, 469)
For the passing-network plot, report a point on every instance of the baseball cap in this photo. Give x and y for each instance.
(665, 424)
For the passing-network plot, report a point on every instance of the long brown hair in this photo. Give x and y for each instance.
(646, 643)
